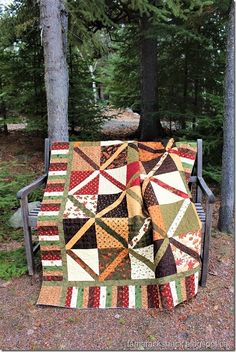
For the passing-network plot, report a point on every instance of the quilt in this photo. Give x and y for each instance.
(117, 226)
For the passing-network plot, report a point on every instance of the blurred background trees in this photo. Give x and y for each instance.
(107, 67)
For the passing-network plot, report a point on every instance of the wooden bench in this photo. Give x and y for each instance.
(196, 181)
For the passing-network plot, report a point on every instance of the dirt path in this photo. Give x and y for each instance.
(121, 120)
(205, 323)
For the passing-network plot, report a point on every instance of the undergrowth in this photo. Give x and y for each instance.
(13, 176)
(12, 263)
(10, 183)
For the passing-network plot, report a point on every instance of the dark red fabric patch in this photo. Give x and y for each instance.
(58, 167)
(68, 296)
(50, 207)
(166, 296)
(51, 255)
(54, 188)
(61, 145)
(52, 278)
(153, 300)
(47, 231)
(96, 298)
(190, 286)
(132, 169)
(123, 296)
(91, 297)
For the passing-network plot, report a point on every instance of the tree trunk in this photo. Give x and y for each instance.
(71, 87)
(4, 113)
(185, 91)
(92, 69)
(54, 24)
(227, 185)
(195, 104)
(150, 127)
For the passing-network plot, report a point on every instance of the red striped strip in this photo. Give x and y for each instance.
(68, 297)
(190, 154)
(50, 207)
(54, 188)
(62, 145)
(190, 286)
(166, 296)
(52, 278)
(123, 296)
(152, 293)
(183, 154)
(96, 299)
(91, 297)
(47, 231)
(170, 188)
(58, 167)
(51, 255)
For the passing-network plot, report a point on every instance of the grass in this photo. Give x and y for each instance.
(12, 264)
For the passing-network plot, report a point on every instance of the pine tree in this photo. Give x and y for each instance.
(22, 62)
(226, 217)
(84, 113)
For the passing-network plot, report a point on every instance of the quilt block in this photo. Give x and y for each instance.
(117, 227)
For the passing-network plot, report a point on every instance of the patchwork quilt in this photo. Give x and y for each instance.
(117, 226)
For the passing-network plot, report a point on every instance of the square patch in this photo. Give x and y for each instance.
(80, 206)
(113, 156)
(84, 182)
(112, 233)
(86, 158)
(79, 233)
(140, 266)
(112, 205)
(112, 181)
(114, 264)
(82, 264)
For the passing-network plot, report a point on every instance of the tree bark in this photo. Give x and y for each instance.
(71, 104)
(195, 104)
(92, 69)
(185, 91)
(54, 24)
(4, 113)
(227, 185)
(150, 127)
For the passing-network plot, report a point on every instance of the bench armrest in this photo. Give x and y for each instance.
(31, 187)
(206, 190)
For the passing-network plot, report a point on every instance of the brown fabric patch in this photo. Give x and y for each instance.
(167, 264)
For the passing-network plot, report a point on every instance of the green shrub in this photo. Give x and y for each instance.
(12, 263)
(10, 183)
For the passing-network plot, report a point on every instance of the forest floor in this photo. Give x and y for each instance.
(204, 323)
(121, 121)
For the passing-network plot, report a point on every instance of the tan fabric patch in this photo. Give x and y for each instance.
(159, 229)
(50, 295)
(134, 206)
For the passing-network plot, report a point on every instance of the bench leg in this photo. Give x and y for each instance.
(206, 245)
(27, 235)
